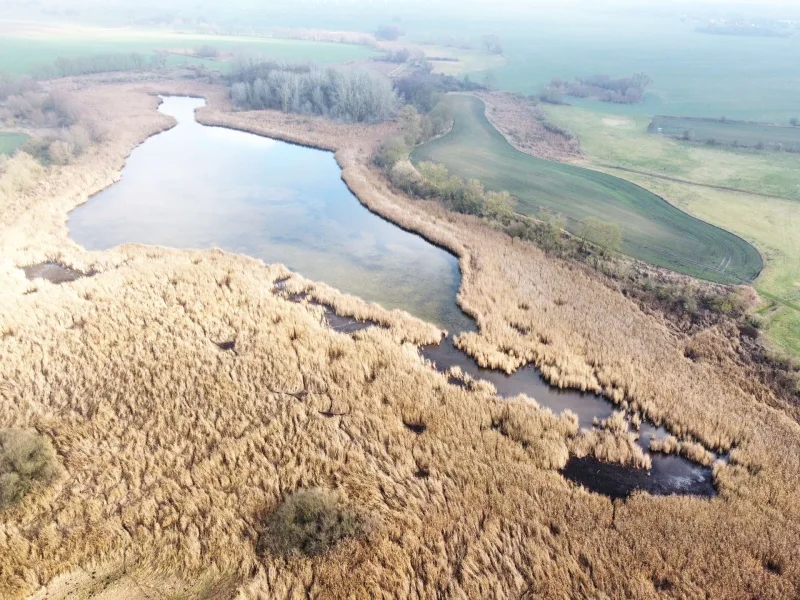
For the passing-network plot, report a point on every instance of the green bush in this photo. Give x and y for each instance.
(26, 460)
(391, 151)
(309, 521)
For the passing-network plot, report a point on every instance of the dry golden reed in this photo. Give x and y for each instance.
(174, 449)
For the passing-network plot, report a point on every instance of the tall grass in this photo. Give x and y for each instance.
(174, 449)
(27, 461)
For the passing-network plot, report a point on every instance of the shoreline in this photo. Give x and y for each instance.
(583, 334)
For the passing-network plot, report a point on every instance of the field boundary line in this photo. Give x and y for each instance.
(778, 299)
(689, 182)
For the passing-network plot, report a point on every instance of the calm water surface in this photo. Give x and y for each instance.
(200, 187)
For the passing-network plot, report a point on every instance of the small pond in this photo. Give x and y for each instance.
(200, 187)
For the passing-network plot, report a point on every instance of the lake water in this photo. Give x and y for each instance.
(201, 187)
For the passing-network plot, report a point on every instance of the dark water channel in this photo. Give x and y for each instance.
(52, 272)
(200, 187)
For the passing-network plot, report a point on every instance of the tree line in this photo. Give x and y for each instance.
(103, 63)
(623, 90)
(343, 93)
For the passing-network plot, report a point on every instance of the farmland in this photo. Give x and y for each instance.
(653, 230)
(727, 132)
(27, 48)
(10, 141)
(695, 178)
(752, 79)
(449, 60)
(188, 398)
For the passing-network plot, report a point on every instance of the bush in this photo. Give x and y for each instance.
(310, 522)
(388, 33)
(101, 63)
(63, 148)
(396, 56)
(61, 152)
(424, 89)
(405, 177)
(26, 460)
(207, 51)
(626, 90)
(391, 151)
(606, 236)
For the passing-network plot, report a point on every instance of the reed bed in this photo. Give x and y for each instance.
(174, 450)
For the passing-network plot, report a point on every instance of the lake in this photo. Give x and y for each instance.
(199, 187)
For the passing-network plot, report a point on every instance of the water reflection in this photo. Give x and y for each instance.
(202, 187)
(670, 474)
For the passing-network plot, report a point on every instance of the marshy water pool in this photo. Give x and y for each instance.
(200, 187)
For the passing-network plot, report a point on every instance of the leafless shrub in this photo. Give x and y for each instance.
(207, 51)
(310, 522)
(61, 152)
(27, 460)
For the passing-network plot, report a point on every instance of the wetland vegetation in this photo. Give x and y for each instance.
(182, 416)
(313, 225)
(299, 405)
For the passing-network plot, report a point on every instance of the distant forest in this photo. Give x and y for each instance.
(624, 90)
(745, 30)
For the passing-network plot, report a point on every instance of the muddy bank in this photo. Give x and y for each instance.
(53, 272)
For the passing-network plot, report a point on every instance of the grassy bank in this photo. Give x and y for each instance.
(26, 47)
(653, 230)
(769, 223)
(10, 141)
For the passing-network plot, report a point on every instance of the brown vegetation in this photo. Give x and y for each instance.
(358, 38)
(612, 441)
(691, 450)
(26, 461)
(310, 521)
(524, 124)
(174, 449)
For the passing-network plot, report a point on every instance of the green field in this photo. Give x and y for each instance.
(728, 133)
(653, 230)
(26, 48)
(743, 78)
(766, 211)
(10, 141)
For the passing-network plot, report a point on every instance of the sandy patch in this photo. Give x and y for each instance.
(617, 122)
